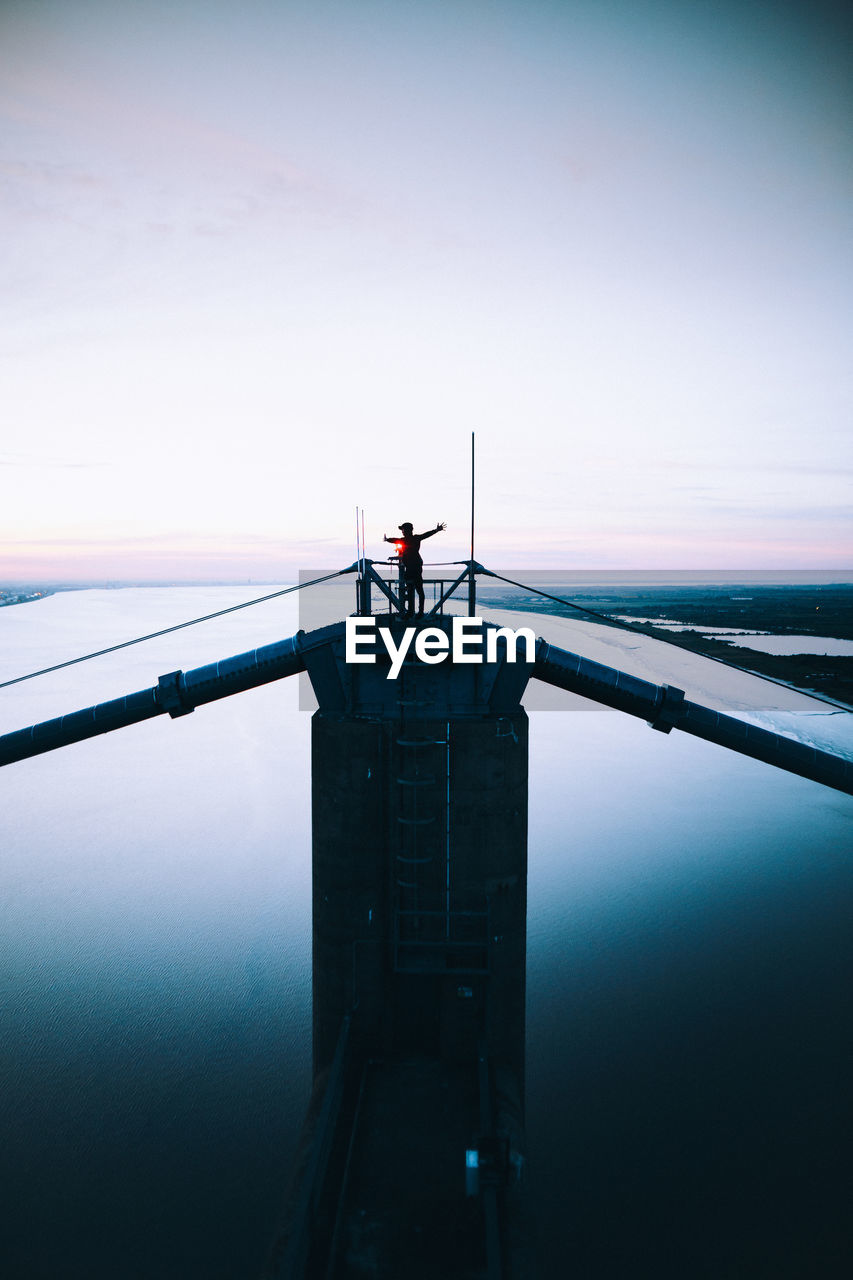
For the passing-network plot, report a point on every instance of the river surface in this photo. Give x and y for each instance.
(689, 955)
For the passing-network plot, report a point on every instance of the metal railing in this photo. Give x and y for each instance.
(392, 588)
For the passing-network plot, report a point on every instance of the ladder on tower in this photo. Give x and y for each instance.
(433, 932)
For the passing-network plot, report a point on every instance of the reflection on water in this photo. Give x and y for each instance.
(689, 1020)
(689, 1016)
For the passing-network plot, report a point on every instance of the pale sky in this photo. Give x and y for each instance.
(266, 261)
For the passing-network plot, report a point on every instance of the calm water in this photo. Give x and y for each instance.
(690, 945)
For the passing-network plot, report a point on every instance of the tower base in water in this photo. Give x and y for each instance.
(413, 1150)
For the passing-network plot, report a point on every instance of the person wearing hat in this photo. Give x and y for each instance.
(408, 548)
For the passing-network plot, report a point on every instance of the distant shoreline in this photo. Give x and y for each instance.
(819, 610)
(561, 579)
(24, 593)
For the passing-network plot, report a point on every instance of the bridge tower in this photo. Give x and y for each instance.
(414, 1147)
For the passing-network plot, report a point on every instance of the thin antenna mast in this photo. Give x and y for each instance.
(366, 606)
(472, 495)
(363, 602)
(472, 581)
(359, 550)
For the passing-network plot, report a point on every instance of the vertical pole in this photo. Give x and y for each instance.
(366, 602)
(472, 581)
(358, 585)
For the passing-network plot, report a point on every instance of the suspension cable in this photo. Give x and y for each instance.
(629, 626)
(125, 644)
(569, 604)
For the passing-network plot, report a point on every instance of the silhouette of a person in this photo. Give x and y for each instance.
(413, 565)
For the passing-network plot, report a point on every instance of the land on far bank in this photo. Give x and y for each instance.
(822, 611)
(23, 592)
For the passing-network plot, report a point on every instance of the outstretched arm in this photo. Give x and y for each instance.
(438, 528)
